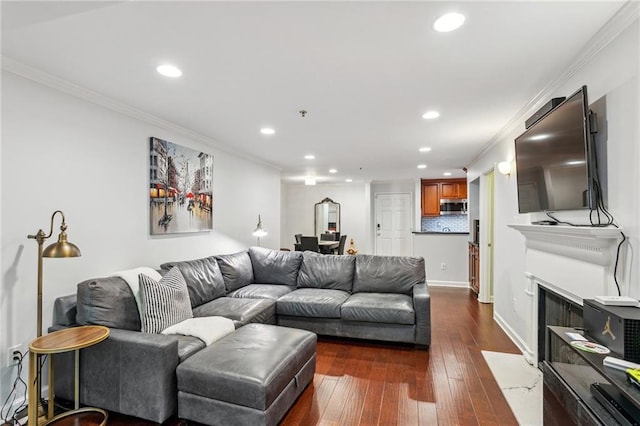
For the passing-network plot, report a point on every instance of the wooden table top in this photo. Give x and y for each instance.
(329, 243)
(69, 339)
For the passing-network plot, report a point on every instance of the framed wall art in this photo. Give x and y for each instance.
(180, 189)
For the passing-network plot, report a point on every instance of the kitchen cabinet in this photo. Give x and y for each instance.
(430, 199)
(453, 188)
(474, 267)
(435, 189)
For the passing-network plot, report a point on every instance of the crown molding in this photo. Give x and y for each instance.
(618, 23)
(30, 73)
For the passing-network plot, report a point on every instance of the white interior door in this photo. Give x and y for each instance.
(393, 224)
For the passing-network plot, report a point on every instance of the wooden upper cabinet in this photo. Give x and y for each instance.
(434, 189)
(430, 199)
(453, 188)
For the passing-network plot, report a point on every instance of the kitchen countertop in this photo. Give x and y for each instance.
(440, 232)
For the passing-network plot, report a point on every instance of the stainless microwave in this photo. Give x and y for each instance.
(453, 206)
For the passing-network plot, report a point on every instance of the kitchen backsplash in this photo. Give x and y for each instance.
(448, 223)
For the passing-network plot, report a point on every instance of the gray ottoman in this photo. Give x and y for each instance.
(250, 377)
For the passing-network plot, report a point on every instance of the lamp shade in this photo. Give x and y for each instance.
(504, 167)
(62, 248)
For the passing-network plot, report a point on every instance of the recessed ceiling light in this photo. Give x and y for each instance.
(422, 166)
(348, 180)
(430, 115)
(447, 173)
(169, 70)
(333, 171)
(425, 149)
(448, 22)
(309, 157)
(267, 131)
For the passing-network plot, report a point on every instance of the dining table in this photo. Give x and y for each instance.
(327, 247)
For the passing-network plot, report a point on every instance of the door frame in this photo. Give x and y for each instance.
(486, 201)
(375, 217)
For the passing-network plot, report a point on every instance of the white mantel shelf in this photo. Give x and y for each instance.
(586, 243)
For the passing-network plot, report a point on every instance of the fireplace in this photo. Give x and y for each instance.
(564, 266)
(553, 309)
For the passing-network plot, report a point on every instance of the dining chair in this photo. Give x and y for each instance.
(298, 238)
(343, 239)
(297, 247)
(328, 236)
(309, 243)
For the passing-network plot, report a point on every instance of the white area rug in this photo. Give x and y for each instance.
(521, 385)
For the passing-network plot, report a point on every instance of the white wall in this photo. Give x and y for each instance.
(448, 249)
(61, 152)
(611, 75)
(298, 203)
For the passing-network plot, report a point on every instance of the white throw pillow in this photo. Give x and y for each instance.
(207, 329)
(165, 302)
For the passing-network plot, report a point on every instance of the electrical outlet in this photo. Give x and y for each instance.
(12, 356)
(443, 266)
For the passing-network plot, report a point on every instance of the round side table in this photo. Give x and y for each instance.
(69, 339)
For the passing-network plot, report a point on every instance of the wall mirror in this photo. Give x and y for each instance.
(327, 216)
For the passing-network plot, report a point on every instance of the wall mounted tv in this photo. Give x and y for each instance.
(554, 159)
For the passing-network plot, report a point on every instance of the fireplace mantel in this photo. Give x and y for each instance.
(590, 244)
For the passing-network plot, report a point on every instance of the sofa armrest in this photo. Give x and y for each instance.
(422, 307)
(64, 310)
(131, 372)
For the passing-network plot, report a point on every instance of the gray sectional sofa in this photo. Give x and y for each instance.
(134, 373)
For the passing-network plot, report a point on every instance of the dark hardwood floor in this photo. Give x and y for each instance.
(368, 383)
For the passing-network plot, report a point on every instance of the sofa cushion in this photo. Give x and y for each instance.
(275, 266)
(240, 311)
(165, 302)
(188, 345)
(236, 269)
(330, 272)
(203, 277)
(262, 291)
(379, 307)
(388, 274)
(312, 302)
(109, 302)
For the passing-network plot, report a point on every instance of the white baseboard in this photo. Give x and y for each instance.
(521, 344)
(433, 283)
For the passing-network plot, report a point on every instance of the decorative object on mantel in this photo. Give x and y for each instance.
(352, 248)
(180, 189)
(61, 249)
(259, 231)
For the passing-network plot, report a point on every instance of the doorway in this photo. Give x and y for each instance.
(393, 224)
(486, 237)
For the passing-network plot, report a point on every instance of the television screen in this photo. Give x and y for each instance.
(552, 159)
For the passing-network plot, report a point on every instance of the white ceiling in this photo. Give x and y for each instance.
(364, 71)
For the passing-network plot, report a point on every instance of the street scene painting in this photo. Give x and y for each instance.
(180, 189)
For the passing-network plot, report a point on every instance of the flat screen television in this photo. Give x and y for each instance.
(554, 159)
